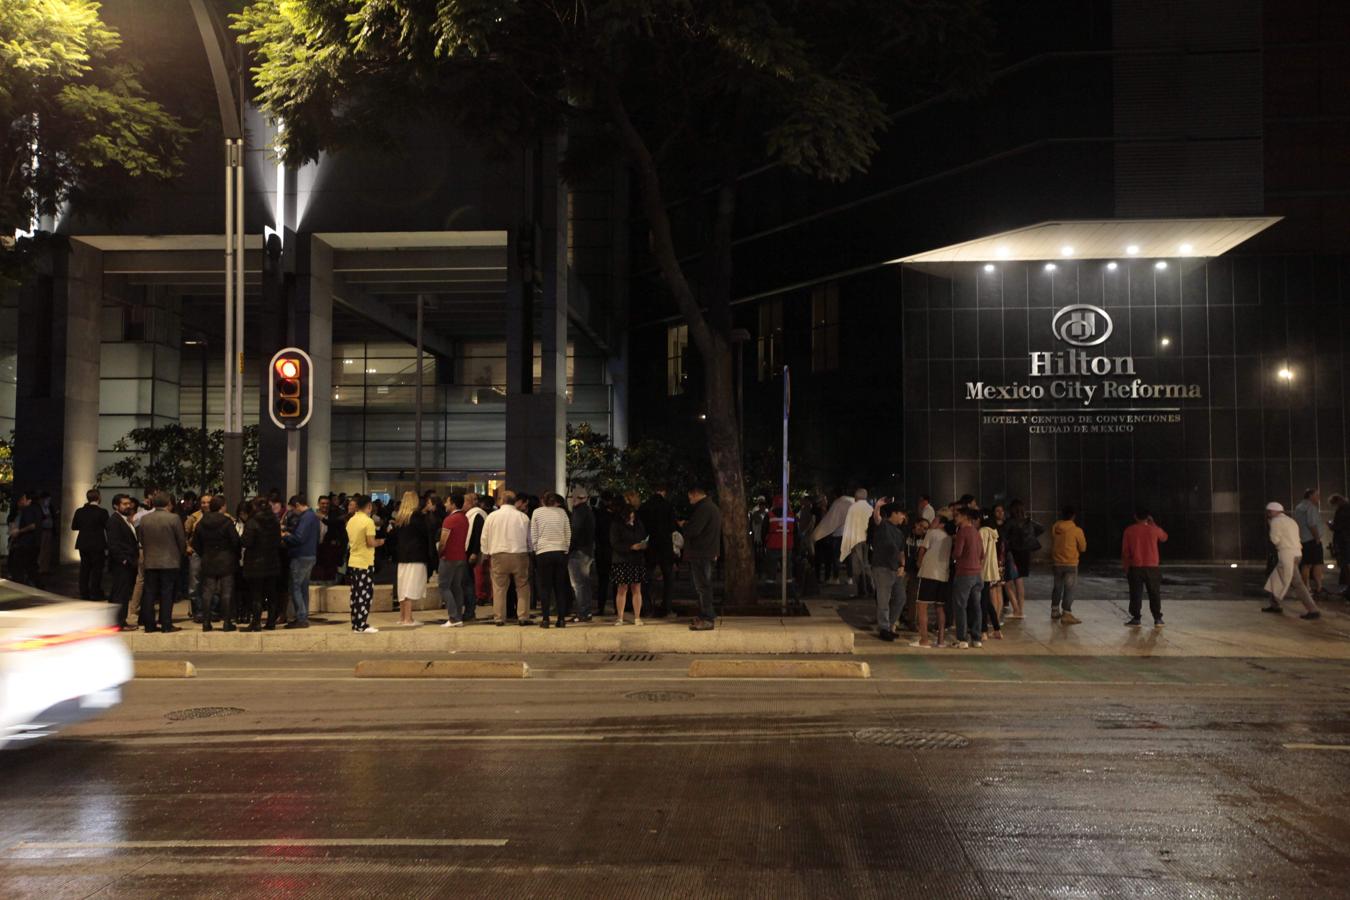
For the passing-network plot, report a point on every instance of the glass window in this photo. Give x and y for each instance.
(825, 327)
(677, 346)
(770, 337)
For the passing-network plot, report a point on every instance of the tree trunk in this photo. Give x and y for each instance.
(724, 448)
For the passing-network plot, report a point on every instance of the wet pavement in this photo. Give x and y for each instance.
(949, 775)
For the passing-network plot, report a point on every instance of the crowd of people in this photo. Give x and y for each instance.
(960, 568)
(251, 568)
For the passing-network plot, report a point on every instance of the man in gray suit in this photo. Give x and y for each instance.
(163, 543)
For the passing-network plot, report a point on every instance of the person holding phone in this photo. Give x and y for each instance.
(628, 541)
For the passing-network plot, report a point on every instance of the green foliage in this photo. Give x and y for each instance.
(170, 458)
(74, 111)
(593, 461)
(6, 470)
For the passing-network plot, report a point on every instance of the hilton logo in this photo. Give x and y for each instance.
(1082, 325)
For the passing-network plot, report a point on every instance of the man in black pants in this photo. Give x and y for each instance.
(124, 551)
(658, 517)
(91, 524)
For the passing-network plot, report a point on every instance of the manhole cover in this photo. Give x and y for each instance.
(659, 696)
(632, 657)
(912, 739)
(202, 712)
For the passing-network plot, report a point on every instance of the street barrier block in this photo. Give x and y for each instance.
(778, 668)
(164, 668)
(441, 668)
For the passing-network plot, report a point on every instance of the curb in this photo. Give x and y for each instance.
(441, 668)
(780, 668)
(164, 668)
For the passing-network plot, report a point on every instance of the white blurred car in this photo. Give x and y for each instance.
(61, 661)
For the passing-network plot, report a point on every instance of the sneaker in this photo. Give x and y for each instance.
(976, 644)
(961, 645)
(459, 624)
(369, 629)
(1055, 614)
(925, 644)
(1070, 619)
(702, 625)
(1133, 622)
(1315, 614)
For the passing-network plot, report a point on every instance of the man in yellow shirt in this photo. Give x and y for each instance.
(362, 542)
(1067, 542)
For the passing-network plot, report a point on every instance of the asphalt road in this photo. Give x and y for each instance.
(941, 776)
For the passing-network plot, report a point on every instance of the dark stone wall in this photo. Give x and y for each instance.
(1230, 325)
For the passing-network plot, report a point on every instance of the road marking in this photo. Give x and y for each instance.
(1341, 747)
(266, 843)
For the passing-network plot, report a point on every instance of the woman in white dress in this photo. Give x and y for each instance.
(412, 543)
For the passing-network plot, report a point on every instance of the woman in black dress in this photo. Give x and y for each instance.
(628, 543)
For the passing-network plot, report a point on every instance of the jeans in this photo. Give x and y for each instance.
(301, 566)
(1139, 578)
(551, 569)
(581, 571)
(966, 591)
(161, 589)
(450, 574)
(1061, 596)
(217, 592)
(890, 597)
(701, 570)
(194, 587)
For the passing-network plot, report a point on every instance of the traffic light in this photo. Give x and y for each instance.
(292, 391)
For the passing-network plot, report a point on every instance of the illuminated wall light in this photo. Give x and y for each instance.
(1132, 250)
(1185, 248)
(1166, 342)
(989, 267)
(1066, 250)
(1285, 374)
(1110, 267)
(1160, 265)
(1050, 267)
(1232, 565)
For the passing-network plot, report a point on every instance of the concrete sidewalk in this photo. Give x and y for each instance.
(1195, 628)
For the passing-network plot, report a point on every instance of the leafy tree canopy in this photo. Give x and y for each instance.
(72, 110)
(169, 458)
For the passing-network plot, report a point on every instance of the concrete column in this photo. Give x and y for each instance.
(58, 385)
(314, 333)
(536, 421)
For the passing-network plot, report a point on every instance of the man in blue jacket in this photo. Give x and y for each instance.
(302, 540)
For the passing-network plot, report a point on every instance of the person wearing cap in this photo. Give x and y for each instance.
(1284, 577)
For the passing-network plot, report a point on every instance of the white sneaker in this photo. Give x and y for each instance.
(976, 644)
(962, 645)
(449, 624)
(369, 629)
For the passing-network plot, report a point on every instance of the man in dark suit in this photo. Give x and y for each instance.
(165, 544)
(91, 524)
(217, 543)
(124, 552)
(658, 517)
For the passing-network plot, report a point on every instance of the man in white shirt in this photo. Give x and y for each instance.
(926, 511)
(506, 546)
(1308, 516)
(935, 558)
(1285, 577)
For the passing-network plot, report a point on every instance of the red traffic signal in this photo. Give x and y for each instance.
(291, 391)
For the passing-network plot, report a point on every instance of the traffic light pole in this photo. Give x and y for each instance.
(292, 463)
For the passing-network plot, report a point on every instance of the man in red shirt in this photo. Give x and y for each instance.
(1139, 558)
(453, 546)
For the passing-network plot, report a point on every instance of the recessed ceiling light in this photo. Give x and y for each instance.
(1066, 250)
(1050, 267)
(1110, 267)
(989, 267)
(1003, 252)
(1185, 248)
(1166, 342)
(1133, 249)
(1160, 264)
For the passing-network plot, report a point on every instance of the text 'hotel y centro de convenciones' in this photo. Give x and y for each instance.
(1114, 400)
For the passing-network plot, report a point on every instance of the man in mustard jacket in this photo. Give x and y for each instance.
(1067, 543)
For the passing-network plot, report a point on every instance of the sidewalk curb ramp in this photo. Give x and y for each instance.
(164, 668)
(778, 668)
(441, 668)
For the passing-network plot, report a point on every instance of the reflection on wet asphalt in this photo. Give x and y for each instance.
(1169, 778)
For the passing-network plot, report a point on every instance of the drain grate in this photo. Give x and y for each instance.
(202, 712)
(912, 739)
(659, 696)
(632, 657)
